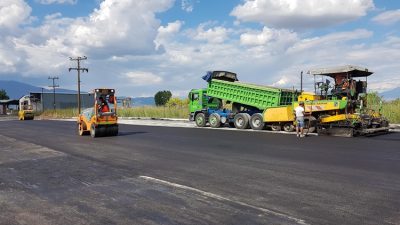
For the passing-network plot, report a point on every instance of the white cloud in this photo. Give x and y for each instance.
(127, 47)
(301, 13)
(125, 26)
(388, 17)
(141, 78)
(187, 5)
(167, 32)
(213, 35)
(117, 28)
(330, 40)
(267, 35)
(282, 82)
(48, 2)
(13, 13)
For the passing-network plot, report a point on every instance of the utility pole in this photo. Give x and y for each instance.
(54, 86)
(79, 69)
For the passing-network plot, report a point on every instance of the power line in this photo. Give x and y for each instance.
(54, 86)
(79, 69)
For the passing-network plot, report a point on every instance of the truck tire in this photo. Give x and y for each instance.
(288, 127)
(215, 120)
(257, 121)
(200, 120)
(241, 121)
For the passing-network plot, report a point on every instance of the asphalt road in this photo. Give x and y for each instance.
(164, 175)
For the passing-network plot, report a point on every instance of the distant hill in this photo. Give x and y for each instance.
(391, 94)
(16, 90)
(142, 101)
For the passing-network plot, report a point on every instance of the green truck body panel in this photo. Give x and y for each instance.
(257, 96)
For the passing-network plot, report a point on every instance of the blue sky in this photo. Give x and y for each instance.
(142, 46)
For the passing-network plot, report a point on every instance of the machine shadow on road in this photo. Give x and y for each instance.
(131, 133)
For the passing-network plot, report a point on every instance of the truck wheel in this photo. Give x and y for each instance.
(200, 120)
(93, 131)
(276, 127)
(288, 127)
(215, 120)
(256, 121)
(241, 121)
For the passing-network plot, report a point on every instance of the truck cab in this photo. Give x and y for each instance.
(199, 101)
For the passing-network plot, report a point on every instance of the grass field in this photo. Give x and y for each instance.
(389, 109)
(155, 112)
(144, 111)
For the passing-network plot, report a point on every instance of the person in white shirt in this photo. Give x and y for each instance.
(299, 113)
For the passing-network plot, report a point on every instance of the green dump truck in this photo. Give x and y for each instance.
(248, 102)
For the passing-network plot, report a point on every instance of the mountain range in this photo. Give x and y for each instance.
(391, 94)
(15, 90)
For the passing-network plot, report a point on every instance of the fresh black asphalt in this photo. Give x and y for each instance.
(164, 175)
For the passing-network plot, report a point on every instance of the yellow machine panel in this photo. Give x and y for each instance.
(279, 114)
(317, 106)
(336, 118)
(308, 96)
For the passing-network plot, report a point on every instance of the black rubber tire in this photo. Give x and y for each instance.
(288, 127)
(257, 122)
(112, 131)
(93, 131)
(276, 127)
(242, 121)
(115, 133)
(310, 121)
(102, 131)
(215, 120)
(200, 120)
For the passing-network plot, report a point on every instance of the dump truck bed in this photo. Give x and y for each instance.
(257, 96)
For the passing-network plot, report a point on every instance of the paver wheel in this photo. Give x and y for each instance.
(276, 127)
(288, 127)
(200, 120)
(257, 121)
(215, 120)
(310, 124)
(242, 121)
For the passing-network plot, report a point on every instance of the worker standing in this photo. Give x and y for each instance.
(299, 113)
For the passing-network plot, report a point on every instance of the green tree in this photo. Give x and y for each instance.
(162, 97)
(3, 95)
